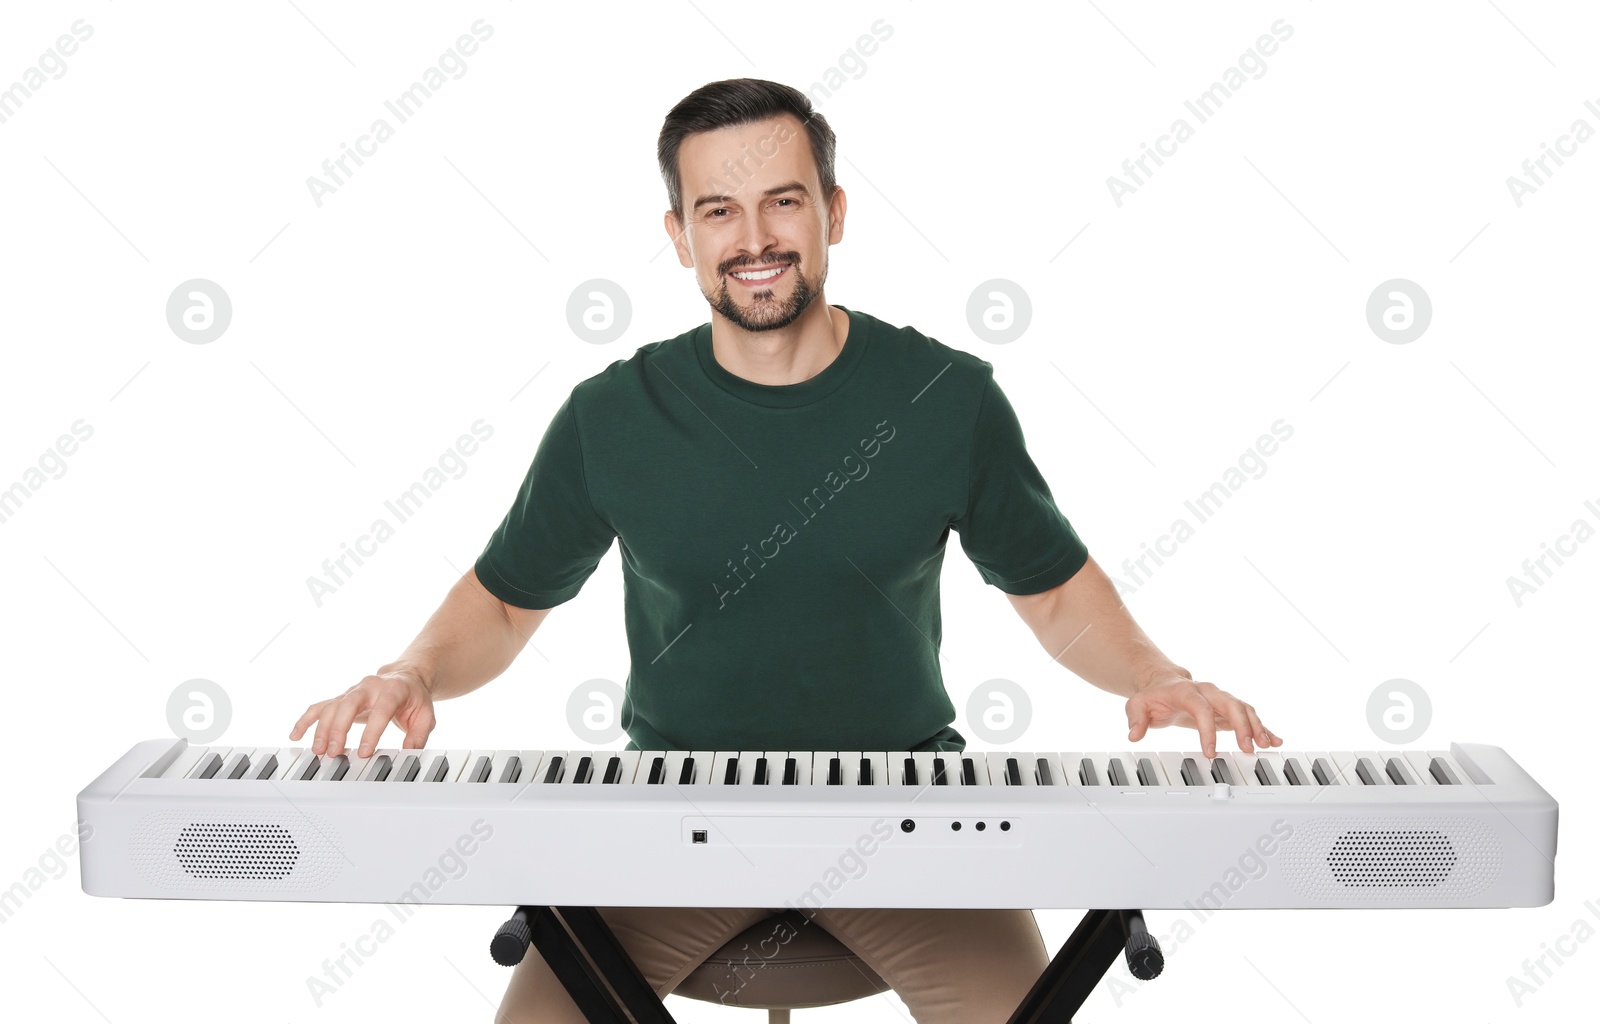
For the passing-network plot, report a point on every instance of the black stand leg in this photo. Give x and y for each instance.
(1083, 960)
(568, 955)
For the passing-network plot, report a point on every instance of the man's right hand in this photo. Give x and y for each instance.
(395, 695)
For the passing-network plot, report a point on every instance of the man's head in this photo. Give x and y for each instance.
(749, 172)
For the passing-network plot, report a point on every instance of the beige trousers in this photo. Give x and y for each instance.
(947, 966)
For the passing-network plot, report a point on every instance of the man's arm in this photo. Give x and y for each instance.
(1084, 625)
(471, 639)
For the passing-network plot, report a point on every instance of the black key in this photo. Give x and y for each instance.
(553, 773)
(613, 773)
(268, 767)
(409, 768)
(790, 771)
(1013, 773)
(1119, 775)
(864, 776)
(585, 770)
(969, 776)
(938, 772)
(441, 768)
(911, 771)
(381, 768)
(1086, 772)
(480, 771)
(1294, 773)
(1399, 772)
(1439, 768)
(1222, 772)
(834, 776)
(731, 776)
(209, 764)
(1042, 774)
(657, 771)
(761, 772)
(1265, 774)
(1191, 773)
(686, 773)
(341, 767)
(513, 769)
(240, 767)
(311, 769)
(1148, 776)
(1324, 773)
(1368, 775)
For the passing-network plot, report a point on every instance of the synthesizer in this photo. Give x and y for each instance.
(1463, 827)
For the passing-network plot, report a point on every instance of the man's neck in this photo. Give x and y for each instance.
(789, 355)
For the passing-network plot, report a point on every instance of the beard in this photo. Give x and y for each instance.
(763, 310)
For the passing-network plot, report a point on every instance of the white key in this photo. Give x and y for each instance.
(1377, 760)
(382, 759)
(819, 766)
(479, 764)
(996, 767)
(881, 774)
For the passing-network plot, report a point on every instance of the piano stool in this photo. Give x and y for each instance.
(812, 969)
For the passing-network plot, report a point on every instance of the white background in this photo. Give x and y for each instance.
(1227, 292)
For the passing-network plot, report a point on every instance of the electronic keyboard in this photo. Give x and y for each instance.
(1464, 827)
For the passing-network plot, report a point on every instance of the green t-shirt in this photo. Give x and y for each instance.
(781, 544)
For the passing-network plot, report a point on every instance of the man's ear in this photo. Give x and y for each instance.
(680, 240)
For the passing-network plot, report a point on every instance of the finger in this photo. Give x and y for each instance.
(1239, 721)
(1259, 731)
(377, 721)
(344, 712)
(1138, 719)
(1205, 719)
(312, 714)
(418, 727)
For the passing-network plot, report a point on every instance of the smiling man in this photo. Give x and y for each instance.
(782, 482)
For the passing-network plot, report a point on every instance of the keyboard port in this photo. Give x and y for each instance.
(698, 835)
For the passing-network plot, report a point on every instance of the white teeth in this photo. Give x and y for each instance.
(761, 275)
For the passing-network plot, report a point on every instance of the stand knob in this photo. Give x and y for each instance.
(510, 943)
(1142, 951)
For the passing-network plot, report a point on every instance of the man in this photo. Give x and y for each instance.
(783, 481)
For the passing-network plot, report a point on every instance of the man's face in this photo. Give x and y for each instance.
(752, 204)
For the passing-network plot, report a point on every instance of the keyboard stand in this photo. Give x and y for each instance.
(570, 937)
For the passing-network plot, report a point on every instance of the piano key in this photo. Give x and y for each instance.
(264, 763)
(849, 767)
(1223, 770)
(802, 765)
(724, 769)
(1344, 762)
(820, 765)
(1297, 772)
(1047, 769)
(1378, 759)
(763, 772)
(235, 766)
(407, 767)
(909, 776)
(1117, 772)
(555, 770)
(184, 763)
(924, 762)
(1011, 770)
(877, 768)
(1417, 761)
(208, 766)
(482, 765)
(334, 769)
(1244, 767)
(1192, 773)
(1399, 771)
(1088, 770)
(466, 768)
(791, 771)
(1325, 773)
(673, 767)
(942, 770)
(702, 766)
(1369, 773)
(1127, 767)
(686, 771)
(835, 773)
(1149, 772)
(658, 769)
(379, 766)
(438, 769)
(1442, 771)
(1464, 777)
(974, 770)
(747, 761)
(1266, 772)
(1171, 763)
(630, 773)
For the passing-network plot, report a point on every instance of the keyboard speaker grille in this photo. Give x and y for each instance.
(235, 852)
(1378, 859)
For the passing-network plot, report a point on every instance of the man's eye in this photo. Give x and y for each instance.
(786, 200)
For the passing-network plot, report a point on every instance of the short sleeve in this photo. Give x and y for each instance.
(552, 538)
(1011, 529)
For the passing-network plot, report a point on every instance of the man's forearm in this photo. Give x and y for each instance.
(1084, 625)
(469, 640)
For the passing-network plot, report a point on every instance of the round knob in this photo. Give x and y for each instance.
(510, 943)
(1144, 955)
(1221, 791)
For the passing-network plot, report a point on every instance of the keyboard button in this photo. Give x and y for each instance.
(1399, 772)
(1086, 772)
(1191, 773)
(1442, 773)
(1265, 773)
